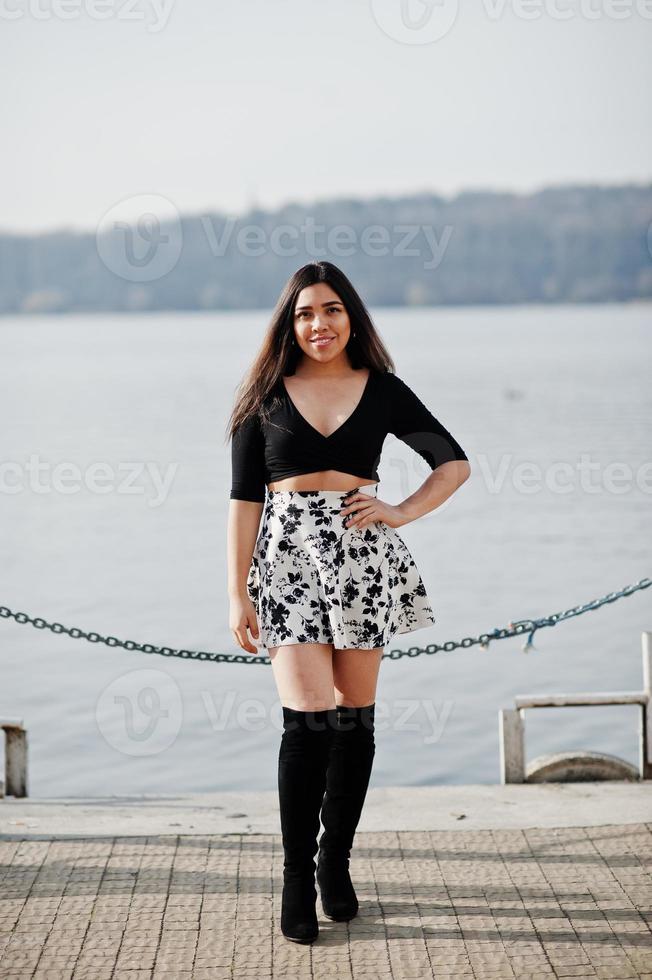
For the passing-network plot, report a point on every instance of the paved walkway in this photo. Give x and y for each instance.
(547, 902)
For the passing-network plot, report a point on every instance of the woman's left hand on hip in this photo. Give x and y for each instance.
(364, 509)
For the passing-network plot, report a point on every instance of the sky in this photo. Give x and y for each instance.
(225, 104)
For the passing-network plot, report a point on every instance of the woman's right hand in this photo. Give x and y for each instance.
(242, 616)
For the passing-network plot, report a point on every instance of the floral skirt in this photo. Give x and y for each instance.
(314, 580)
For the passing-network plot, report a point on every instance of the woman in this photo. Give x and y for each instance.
(326, 581)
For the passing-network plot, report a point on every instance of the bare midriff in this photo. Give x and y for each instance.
(323, 480)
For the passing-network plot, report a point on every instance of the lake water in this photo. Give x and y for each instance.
(552, 405)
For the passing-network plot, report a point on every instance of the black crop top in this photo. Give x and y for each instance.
(263, 452)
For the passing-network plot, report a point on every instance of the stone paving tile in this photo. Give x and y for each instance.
(487, 905)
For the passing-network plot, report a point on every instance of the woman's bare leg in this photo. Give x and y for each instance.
(303, 673)
(355, 676)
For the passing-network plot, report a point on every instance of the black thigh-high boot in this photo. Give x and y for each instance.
(347, 778)
(302, 761)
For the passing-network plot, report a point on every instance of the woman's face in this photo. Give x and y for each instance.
(319, 315)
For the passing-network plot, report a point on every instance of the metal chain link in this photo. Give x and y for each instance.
(514, 628)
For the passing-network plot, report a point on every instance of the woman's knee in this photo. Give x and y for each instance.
(303, 673)
(355, 676)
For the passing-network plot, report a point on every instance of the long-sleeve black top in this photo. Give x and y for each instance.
(287, 445)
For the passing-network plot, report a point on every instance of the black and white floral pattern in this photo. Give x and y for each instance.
(314, 580)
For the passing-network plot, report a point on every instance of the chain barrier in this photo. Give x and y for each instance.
(514, 628)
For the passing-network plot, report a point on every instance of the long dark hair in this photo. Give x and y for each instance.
(279, 356)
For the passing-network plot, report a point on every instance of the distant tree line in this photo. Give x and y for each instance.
(559, 245)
